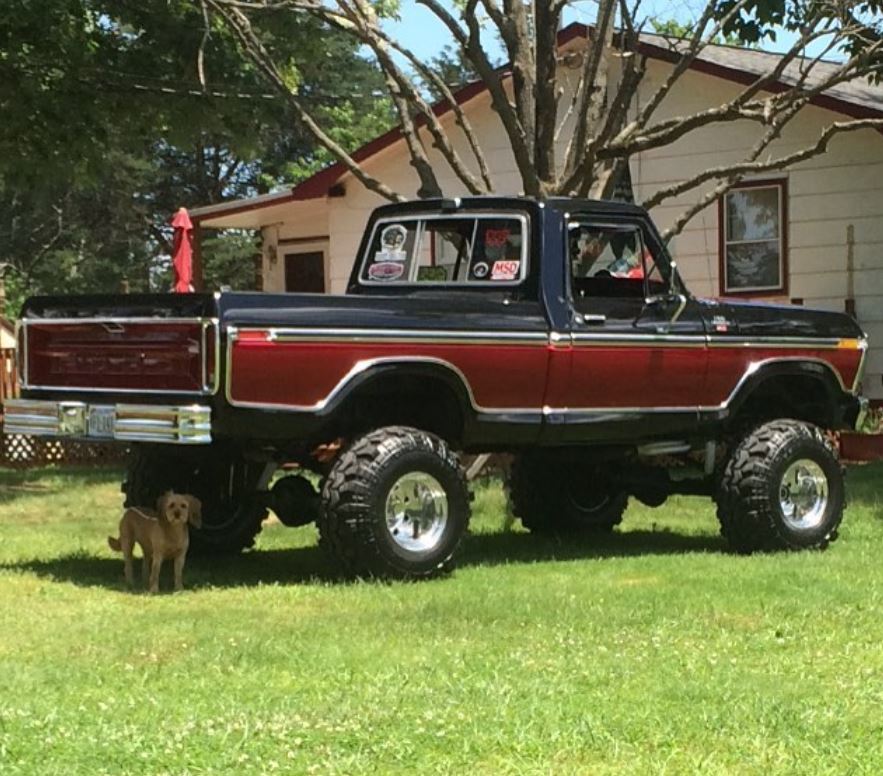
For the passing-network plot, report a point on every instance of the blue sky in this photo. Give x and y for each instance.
(419, 29)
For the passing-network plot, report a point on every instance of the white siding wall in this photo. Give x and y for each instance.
(835, 204)
(300, 221)
(830, 198)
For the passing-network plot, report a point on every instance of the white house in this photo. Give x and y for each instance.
(820, 244)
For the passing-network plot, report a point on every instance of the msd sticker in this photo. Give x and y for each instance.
(505, 270)
(386, 271)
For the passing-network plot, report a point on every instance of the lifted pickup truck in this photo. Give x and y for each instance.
(558, 331)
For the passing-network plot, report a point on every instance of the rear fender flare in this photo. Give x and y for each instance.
(434, 369)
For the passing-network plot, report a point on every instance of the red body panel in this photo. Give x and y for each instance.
(728, 364)
(504, 376)
(304, 374)
(654, 375)
(163, 356)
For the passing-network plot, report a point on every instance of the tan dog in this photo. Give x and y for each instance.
(162, 534)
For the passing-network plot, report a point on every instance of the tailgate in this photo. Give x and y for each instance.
(143, 343)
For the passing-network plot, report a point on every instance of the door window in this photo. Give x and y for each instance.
(611, 261)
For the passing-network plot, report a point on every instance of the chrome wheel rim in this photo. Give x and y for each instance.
(416, 512)
(803, 494)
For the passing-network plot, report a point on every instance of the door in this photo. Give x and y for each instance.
(305, 272)
(637, 341)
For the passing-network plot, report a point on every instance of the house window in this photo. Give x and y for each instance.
(753, 229)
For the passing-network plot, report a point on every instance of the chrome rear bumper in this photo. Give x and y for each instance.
(187, 425)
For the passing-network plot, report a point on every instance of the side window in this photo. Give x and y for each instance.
(611, 261)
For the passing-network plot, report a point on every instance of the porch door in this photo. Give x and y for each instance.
(305, 272)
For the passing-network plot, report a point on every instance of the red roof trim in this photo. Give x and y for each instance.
(317, 185)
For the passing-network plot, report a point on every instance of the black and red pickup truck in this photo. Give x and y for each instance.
(558, 331)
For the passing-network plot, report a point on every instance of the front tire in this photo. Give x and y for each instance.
(554, 497)
(395, 505)
(781, 489)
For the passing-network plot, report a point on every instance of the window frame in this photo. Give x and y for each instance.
(781, 184)
(430, 216)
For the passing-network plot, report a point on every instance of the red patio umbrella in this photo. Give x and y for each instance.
(182, 258)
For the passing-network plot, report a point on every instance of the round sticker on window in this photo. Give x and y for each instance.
(392, 242)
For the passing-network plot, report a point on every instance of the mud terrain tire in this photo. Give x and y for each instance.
(394, 505)
(781, 489)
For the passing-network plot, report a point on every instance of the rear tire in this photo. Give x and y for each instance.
(781, 489)
(554, 497)
(395, 505)
(232, 509)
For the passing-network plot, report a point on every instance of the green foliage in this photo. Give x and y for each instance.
(106, 131)
(648, 651)
(675, 29)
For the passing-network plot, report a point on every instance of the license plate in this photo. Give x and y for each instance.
(101, 421)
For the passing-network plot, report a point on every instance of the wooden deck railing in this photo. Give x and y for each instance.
(8, 377)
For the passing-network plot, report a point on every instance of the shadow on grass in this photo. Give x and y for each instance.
(309, 564)
(51, 480)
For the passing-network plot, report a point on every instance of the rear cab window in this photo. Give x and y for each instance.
(462, 249)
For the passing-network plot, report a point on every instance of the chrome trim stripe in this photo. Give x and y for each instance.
(556, 338)
(276, 334)
(822, 343)
(600, 339)
(21, 353)
(114, 319)
(210, 384)
(185, 425)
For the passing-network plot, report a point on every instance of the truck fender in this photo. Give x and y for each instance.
(437, 370)
(762, 374)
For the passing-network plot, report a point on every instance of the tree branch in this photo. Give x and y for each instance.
(736, 172)
(470, 43)
(254, 49)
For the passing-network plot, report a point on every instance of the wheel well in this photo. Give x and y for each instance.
(392, 398)
(799, 396)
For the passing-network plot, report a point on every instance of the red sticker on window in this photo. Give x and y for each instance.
(496, 238)
(505, 270)
(386, 270)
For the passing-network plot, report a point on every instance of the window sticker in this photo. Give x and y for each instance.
(496, 238)
(505, 270)
(480, 270)
(386, 270)
(392, 242)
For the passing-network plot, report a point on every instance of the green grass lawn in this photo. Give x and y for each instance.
(650, 651)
